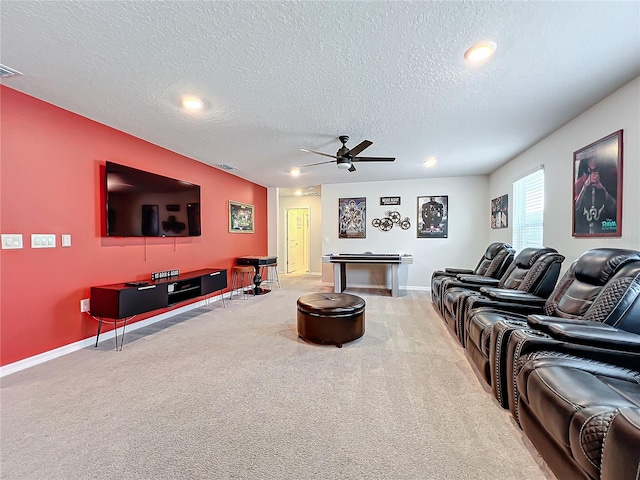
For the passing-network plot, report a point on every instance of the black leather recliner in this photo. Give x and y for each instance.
(583, 416)
(493, 264)
(485, 263)
(595, 290)
(620, 453)
(534, 270)
(608, 331)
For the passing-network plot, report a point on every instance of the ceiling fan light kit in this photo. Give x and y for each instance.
(345, 157)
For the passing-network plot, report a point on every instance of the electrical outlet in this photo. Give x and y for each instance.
(11, 240)
(84, 305)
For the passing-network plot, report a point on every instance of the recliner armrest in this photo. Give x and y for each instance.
(478, 280)
(455, 283)
(542, 322)
(513, 296)
(479, 302)
(603, 336)
(456, 271)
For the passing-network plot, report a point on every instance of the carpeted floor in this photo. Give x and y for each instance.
(232, 393)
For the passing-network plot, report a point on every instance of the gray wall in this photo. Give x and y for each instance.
(469, 202)
(620, 110)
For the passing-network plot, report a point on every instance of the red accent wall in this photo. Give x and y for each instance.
(50, 182)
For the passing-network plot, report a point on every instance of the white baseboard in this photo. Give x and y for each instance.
(87, 342)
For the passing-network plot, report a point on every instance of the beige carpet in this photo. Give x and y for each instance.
(232, 393)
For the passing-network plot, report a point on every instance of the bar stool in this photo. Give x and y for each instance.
(242, 278)
(270, 274)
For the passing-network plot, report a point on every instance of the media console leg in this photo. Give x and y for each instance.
(124, 325)
(99, 328)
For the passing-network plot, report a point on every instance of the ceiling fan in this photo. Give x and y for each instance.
(345, 157)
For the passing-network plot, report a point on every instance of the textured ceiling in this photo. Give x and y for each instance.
(279, 76)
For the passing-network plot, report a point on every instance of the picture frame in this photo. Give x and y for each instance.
(241, 218)
(433, 216)
(597, 188)
(352, 217)
(500, 212)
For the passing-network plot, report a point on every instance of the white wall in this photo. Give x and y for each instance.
(468, 228)
(273, 208)
(469, 202)
(621, 110)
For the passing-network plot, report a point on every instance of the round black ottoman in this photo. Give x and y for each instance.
(330, 318)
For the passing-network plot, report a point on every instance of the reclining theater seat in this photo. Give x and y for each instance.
(489, 329)
(620, 453)
(583, 416)
(609, 331)
(534, 270)
(493, 264)
(439, 275)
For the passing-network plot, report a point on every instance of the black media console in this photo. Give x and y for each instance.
(121, 301)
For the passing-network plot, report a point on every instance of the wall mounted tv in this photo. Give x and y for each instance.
(144, 204)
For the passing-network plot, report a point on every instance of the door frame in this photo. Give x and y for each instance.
(307, 246)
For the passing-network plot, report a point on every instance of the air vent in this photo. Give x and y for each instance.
(6, 72)
(226, 166)
(311, 194)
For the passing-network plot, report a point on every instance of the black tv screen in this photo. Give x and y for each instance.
(144, 204)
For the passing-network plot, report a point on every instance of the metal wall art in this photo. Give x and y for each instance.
(390, 219)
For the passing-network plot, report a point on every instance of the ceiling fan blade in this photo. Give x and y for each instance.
(319, 163)
(373, 159)
(317, 153)
(360, 147)
(351, 169)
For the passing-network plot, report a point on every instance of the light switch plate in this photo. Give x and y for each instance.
(43, 240)
(11, 241)
(66, 240)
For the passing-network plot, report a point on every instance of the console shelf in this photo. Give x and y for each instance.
(120, 301)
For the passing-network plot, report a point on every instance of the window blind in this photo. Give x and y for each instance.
(528, 207)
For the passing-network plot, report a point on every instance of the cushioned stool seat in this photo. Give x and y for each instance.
(330, 318)
(242, 279)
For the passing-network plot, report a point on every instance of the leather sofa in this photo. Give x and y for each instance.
(493, 264)
(621, 452)
(583, 416)
(534, 270)
(600, 293)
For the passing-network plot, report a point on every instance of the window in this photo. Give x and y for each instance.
(528, 207)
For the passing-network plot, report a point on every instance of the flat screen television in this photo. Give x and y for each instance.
(144, 204)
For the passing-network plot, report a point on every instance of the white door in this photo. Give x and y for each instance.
(297, 240)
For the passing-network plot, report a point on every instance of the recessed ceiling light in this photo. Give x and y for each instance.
(192, 103)
(430, 162)
(295, 172)
(298, 192)
(480, 51)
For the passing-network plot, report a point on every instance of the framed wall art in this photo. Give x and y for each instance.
(352, 217)
(240, 217)
(500, 212)
(597, 188)
(433, 217)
